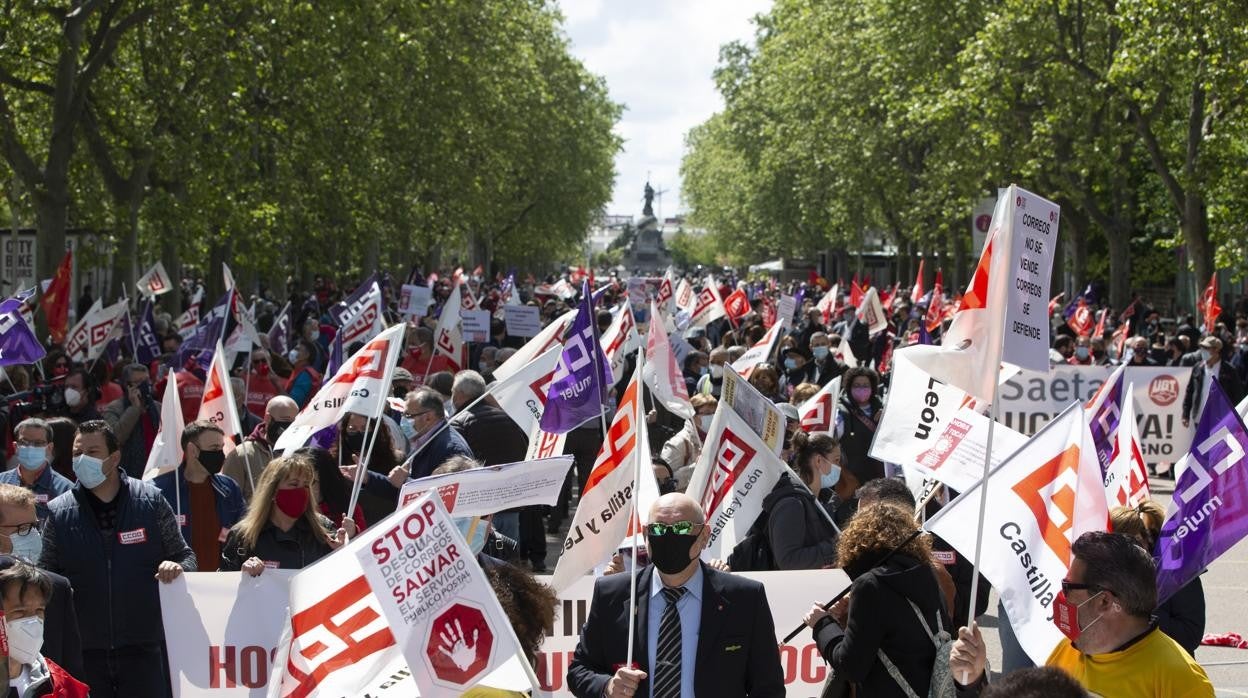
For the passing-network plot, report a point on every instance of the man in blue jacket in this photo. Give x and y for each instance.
(432, 443)
(34, 454)
(113, 536)
(206, 502)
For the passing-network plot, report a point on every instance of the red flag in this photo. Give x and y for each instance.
(56, 299)
(1120, 339)
(855, 292)
(1100, 324)
(935, 303)
(737, 304)
(916, 291)
(812, 278)
(769, 312)
(1209, 306)
(1054, 302)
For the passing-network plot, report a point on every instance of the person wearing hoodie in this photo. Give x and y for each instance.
(800, 535)
(881, 615)
(246, 463)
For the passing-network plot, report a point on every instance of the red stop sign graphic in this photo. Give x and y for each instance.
(460, 642)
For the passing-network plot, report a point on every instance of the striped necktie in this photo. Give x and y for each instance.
(667, 653)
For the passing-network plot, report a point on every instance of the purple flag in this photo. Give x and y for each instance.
(1103, 414)
(1209, 514)
(143, 334)
(335, 356)
(18, 343)
(347, 307)
(213, 326)
(580, 383)
(279, 334)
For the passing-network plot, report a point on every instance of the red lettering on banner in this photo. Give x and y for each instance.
(221, 661)
(547, 444)
(551, 669)
(229, 666)
(327, 638)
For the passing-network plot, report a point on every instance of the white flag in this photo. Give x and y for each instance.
(707, 306)
(602, 517)
(827, 304)
(522, 395)
(760, 352)
(155, 282)
(620, 339)
(1043, 497)
(438, 604)
(217, 405)
(166, 453)
(448, 338)
(360, 386)
(918, 409)
(550, 336)
(1126, 479)
(871, 311)
(544, 444)
(734, 474)
(665, 296)
(819, 412)
(661, 373)
(93, 332)
(493, 488)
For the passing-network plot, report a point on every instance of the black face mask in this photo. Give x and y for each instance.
(275, 430)
(667, 485)
(354, 441)
(670, 552)
(212, 460)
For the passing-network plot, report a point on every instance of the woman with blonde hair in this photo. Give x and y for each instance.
(1181, 616)
(893, 610)
(282, 528)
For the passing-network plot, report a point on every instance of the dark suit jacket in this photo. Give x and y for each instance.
(1227, 380)
(737, 650)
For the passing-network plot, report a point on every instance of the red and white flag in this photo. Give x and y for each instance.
(737, 305)
(707, 306)
(1210, 308)
(819, 412)
(620, 339)
(550, 336)
(155, 282)
(827, 304)
(666, 294)
(218, 404)
(1044, 496)
(936, 306)
(760, 352)
(685, 299)
(448, 338)
(360, 386)
(166, 453)
(522, 395)
(734, 473)
(916, 291)
(871, 312)
(1126, 479)
(603, 515)
(94, 331)
(661, 372)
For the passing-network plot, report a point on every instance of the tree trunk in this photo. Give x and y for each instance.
(1119, 267)
(171, 302)
(1195, 227)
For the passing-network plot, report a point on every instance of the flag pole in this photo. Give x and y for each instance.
(640, 422)
(983, 506)
(365, 457)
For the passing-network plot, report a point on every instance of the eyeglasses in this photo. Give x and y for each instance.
(22, 528)
(414, 415)
(39, 444)
(1069, 586)
(680, 528)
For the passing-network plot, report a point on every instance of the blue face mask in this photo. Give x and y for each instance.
(28, 547)
(408, 427)
(32, 457)
(820, 352)
(90, 471)
(829, 480)
(790, 364)
(473, 529)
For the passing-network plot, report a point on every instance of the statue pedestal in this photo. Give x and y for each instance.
(648, 252)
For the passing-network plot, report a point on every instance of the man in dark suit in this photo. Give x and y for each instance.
(697, 631)
(1211, 365)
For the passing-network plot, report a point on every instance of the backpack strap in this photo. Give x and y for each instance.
(894, 672)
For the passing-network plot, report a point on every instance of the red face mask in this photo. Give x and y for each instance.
(1066, 615)
(262, 369)
(292, 501)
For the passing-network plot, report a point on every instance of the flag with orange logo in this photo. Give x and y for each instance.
(1044, 496)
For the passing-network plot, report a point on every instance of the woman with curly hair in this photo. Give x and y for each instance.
(893, 604)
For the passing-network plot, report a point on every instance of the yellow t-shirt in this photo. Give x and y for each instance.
(1154, 666)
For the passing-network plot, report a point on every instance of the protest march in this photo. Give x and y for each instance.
(455, 484)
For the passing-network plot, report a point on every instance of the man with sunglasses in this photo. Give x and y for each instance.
(1112, 645)
(698, 630)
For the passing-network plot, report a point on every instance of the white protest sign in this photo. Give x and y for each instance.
(484, 491)
(760, 413)
(415, 300)
(221, 629)
(956, 453)
(1034, 237)
(522, 320)
(786, 308)
(1030, 399)
(476, 325)
(437, 602)
(789, 595)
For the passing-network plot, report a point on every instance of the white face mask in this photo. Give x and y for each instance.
(25, 638)
(73, 398)
(1205, 355)
(704, 422)
(717, 371)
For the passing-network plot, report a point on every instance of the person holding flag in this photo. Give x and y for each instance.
(206, 502)
(698, 631)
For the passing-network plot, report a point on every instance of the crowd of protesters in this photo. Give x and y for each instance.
(75, 513)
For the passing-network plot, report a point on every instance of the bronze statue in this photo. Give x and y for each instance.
(648, 196)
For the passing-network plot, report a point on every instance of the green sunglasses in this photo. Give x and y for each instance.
(680, 528)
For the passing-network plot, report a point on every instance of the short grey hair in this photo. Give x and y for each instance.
(468, 385)
(35, 423)
(429, 399)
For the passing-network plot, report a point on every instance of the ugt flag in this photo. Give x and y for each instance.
(580, 383)
(1210, 511)
(18, 343)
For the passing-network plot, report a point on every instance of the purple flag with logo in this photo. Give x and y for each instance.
(344, 309)
(579, 386)
(143, 334)
(279, 334)
(1209, 514)
(213, 327)
(334, 362)
(1103, 415)
(18, 343)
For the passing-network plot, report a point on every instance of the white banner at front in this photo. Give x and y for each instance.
(1029, 400)
(484, 491)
